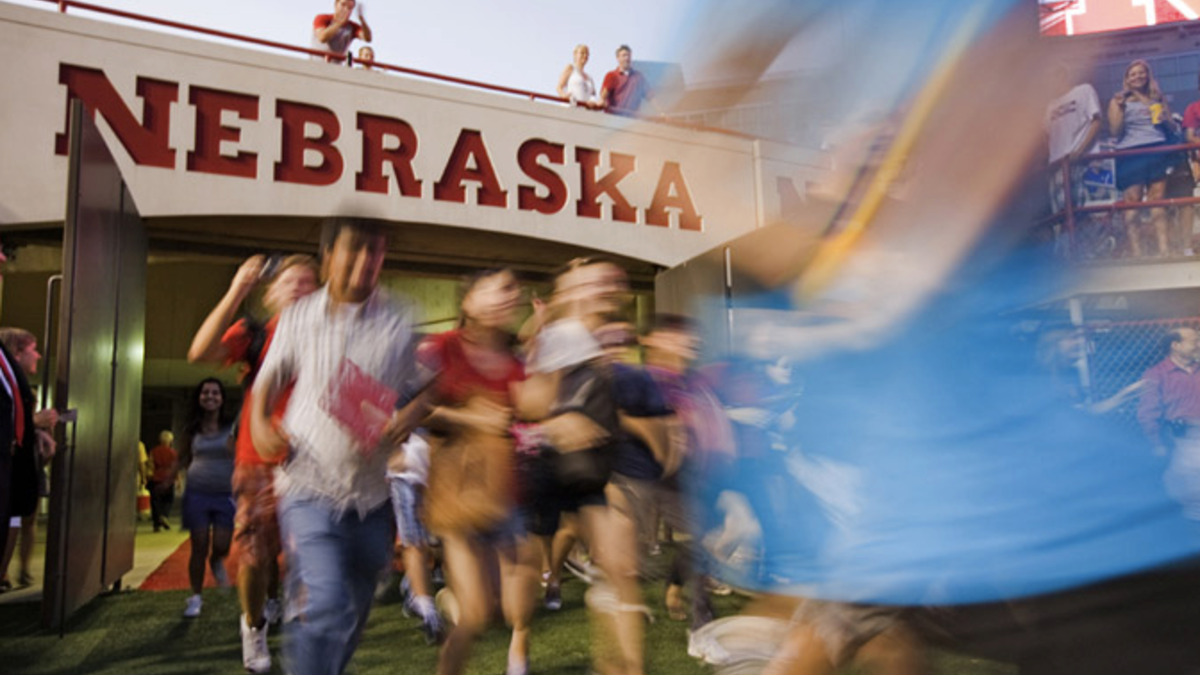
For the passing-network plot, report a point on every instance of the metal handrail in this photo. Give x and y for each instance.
(64, 5)
(1070, 210)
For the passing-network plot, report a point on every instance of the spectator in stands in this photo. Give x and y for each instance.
(1191, 127)
(161, 485)
(366, 57)
(1171, 395)
(1138, 117)
(1072, 126)
(576, 85)
(334, 32)
(1181, 183)
(22, 345)
(625, 89)
(1169, 413)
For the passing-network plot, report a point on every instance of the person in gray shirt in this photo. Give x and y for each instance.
(208, 507)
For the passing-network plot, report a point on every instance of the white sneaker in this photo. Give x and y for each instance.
(194, 603)
(273, 610)
(255, 655)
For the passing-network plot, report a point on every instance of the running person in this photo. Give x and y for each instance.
(256, 527)
(473, 394)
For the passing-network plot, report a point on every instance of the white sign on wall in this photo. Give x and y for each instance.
(201, 129)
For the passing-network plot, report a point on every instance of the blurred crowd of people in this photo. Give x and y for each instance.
(491, 457)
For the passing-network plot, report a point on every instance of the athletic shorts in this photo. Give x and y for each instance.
(407, 501)
(256, 524)
(202, 510)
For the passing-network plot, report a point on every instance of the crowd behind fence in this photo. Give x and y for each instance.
(1120, 352)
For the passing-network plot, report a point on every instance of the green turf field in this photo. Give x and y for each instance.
(142, 632)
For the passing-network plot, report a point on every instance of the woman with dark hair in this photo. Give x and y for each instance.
(472, 404)
(208, 507)
(1138, 117)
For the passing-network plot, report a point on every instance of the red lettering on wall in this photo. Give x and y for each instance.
(672, 193)
(590, 189)
(291, 168)
(207, 157)
(376, 129)
(470, 149)
(147, 142)
(527, 159)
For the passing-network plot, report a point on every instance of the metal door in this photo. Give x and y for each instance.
(98, 375)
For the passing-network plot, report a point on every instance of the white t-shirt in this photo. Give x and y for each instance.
(580, 87)
(1067, 120)
(416, 460)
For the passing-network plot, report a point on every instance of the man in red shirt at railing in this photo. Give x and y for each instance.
(624, 89)
(336, 31)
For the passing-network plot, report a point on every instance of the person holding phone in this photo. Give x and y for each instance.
(334, 32)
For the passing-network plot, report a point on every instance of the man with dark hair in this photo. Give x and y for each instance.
(624, 89)
(1171, 395)
(345, 347)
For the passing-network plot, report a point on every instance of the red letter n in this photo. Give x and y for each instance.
(147, 142)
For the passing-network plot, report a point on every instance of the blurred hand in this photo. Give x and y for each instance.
(488, 416)
(248, 274)
(403, 421)
(270, 441)
(46, 419)
(572, 432)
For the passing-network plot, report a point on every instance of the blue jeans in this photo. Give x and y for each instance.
(333, 563)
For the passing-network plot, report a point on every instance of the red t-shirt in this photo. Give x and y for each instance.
(340, 42)
(1191, 116)
(459, 380)
(626, 91)
(164, 457)
(237, 341)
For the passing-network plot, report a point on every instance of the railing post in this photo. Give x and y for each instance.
(1069, 220)
(62, 6)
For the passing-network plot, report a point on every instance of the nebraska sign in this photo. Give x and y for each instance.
(387, 144)
(202, 129)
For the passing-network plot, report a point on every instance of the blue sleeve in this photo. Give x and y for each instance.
(637, 393)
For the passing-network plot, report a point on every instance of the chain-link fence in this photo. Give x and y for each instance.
(1119, 353)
